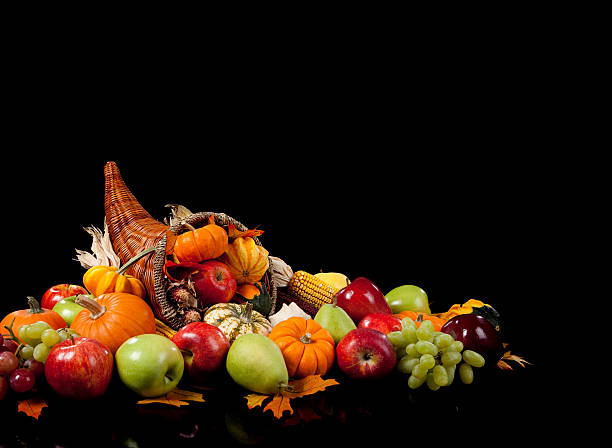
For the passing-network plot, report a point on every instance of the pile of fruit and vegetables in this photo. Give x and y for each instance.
(275, 338)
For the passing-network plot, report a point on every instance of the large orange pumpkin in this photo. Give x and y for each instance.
(204, 243)
(420, 317)
(247, 261)
(33, 314)
(113, 318)
(307, 347)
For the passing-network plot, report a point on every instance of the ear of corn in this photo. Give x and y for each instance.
(310, 289)
(163, 329)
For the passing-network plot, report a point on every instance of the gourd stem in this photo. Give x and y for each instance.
(134, 259)
(34, 306)
(90, 304)
(306, 338)
(246, 315)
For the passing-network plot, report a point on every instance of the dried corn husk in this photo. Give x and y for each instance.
(281, 272)
(102, 252)
(286, 312)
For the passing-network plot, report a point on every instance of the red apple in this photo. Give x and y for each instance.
(214, 283)
(360, 298)
(59, 292)
(383, 322)
(204, 349)
(79, 368)
(365, 354)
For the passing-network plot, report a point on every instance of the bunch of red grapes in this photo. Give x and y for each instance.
(16, 374)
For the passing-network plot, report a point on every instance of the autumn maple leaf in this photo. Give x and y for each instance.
(281, 402)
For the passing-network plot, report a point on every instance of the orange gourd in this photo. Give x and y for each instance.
(307, 347)
(108, 279)
(420, 317)
(28, 316)
(247, 261)
(113, 318)
(247, 291)
(204, 243)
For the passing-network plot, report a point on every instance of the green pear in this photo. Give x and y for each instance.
(255, 362)
(408, 298)
(335, 320)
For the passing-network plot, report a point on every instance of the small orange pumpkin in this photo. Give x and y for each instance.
(204, 243)
(247, 261)
(33, 314)
(307, 347)
(108, 279)
(113, 318)
(420, 317)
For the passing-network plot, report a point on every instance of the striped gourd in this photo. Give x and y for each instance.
(312, 290)
(235, 319)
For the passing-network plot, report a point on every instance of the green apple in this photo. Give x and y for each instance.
(256, 363)
(335, 320)
(408, 298)
(150, 364)
(68, 309)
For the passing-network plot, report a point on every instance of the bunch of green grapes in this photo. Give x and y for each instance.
(432, 357)
(39, 338)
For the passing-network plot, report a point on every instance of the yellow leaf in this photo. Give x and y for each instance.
(32, 406)
(176, 397)
(281, 402)
(254, 400)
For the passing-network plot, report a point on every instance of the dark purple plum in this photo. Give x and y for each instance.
(477, 334)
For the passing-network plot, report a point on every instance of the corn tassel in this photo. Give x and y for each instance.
(310, 289)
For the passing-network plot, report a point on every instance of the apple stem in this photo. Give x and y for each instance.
(34, 306)
(90, 304)
(134, 259)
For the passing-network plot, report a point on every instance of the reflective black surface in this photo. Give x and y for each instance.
(457, 228)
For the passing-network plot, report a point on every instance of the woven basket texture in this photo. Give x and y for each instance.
(132, 229)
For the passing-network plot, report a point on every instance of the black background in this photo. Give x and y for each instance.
(438, 182)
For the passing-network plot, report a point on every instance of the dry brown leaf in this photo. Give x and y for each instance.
(520, 361)
(281, 402)
(32, 406)
(176, 397)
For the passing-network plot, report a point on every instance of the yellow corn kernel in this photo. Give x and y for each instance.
(310, 289)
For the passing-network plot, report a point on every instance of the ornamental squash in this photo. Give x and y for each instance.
(307, 347)
(204, 243)
(109, 279)
(257, 294)
(28, 316)
(113, 318)
(247, 260)
(234, 320)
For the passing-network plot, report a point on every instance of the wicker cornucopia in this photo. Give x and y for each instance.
(132, 230)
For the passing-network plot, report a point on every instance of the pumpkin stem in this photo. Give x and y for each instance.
(134, 259)
(90, 304)
(189, 226)
(306, 338)
(34, 306)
